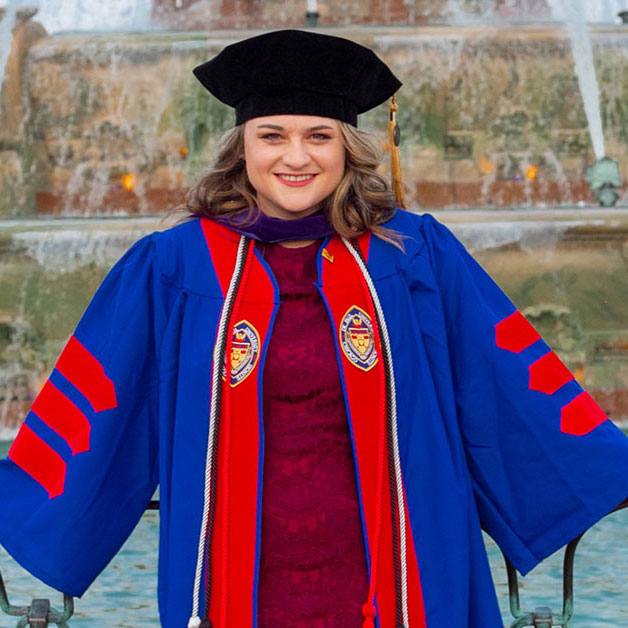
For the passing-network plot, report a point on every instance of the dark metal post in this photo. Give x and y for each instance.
(38, 615)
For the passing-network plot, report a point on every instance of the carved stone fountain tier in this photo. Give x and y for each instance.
(102, 125)
(490, 115)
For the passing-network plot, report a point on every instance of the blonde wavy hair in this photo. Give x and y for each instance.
(361, 202)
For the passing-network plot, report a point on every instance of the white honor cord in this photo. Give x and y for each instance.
(393, 412)
(221, 341)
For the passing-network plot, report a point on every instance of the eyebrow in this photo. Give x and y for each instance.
(276, 127)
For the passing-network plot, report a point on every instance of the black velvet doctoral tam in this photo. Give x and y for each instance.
(298, 72)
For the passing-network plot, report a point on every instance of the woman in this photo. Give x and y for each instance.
(373, 397)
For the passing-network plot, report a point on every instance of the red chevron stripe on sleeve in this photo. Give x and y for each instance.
(514, 333)
(39, 460)
(59, 413)
(81, 368)
(581, 415)
(548, 374)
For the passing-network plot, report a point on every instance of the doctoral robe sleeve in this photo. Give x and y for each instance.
(545, 461)
(83, 466)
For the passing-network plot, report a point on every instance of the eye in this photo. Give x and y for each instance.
(271, 136)
(320, 137)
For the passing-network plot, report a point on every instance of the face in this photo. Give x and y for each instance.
(293, 162)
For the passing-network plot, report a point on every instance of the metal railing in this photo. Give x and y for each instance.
(39, 614)
(542, 616)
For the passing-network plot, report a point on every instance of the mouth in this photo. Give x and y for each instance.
(295, 180)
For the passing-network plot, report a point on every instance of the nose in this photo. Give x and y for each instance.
(296, 155)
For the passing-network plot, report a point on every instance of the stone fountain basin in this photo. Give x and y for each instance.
(490, 115)
(566, 269)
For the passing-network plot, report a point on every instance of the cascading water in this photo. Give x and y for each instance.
(74, 15)
(93, 15)
(68, 253)
(605, 10)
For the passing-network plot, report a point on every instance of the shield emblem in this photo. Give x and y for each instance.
(357, 338)
(244, 352)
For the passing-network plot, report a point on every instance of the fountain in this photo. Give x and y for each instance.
(101, 127)
(101, 132)
(99, 135)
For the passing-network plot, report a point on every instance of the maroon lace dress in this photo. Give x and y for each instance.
(313, 568)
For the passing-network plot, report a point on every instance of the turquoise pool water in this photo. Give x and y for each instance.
(124, 595)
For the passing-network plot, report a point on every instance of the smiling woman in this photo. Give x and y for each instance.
(293, 162)
(332, 395)
(360, 200)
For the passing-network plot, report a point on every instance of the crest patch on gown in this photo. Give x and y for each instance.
(244, 351)
(357, 338)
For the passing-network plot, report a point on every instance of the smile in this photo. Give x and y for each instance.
(295, 179)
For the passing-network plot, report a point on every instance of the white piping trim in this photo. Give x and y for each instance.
(393, 411)
(221, 339)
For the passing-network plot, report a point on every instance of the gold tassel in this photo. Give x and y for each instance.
(395, 163)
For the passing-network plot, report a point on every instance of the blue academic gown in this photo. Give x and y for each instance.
(493, 430)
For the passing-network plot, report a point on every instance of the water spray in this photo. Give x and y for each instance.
(573, 14)
(603, 175)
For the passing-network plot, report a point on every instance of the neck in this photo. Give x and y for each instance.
(295, 244)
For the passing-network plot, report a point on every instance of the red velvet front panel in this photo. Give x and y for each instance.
(344, 289)
(235, 531)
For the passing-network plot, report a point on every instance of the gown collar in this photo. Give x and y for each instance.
(264, 228)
